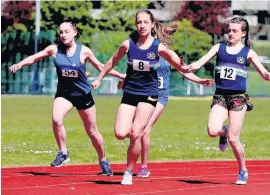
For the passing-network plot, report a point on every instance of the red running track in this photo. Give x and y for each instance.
(167, 178)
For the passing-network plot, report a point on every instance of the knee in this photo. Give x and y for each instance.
(135, 135)
(57, 121)
(212, 132)
(146, 135)
(120, 136)
(92, 131)
(120, 133)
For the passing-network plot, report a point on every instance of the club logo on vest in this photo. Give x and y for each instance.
(241, 60)
(151, 56)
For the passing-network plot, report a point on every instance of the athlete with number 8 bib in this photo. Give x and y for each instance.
(163, 73)
(230, 99)
(72, 90)
(141, 83)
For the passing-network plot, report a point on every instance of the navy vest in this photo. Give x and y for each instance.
(71, 73)
(231, 69)
(141, 73)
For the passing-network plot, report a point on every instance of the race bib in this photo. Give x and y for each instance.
(140, 65)
(70, 73)
(160, 82)
(228, 73)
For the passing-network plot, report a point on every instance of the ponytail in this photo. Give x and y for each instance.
(247, 42)
(164, 32)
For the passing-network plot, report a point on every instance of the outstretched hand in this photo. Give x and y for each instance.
(267, 76)
(185, 68)
(15, 67)
(123, 76)
(95, 84)
(208, 82)
(120, 84)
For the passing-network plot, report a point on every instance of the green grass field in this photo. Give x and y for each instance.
(180, 133)
(256, 85)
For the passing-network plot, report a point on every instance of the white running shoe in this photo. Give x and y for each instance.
(242, 178)
(127, 178)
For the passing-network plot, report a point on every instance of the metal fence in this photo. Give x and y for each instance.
(41, 77)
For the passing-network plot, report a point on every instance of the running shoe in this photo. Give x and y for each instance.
(242, 178)
(127, 178)
(143, 172)
(60, 159)
(106, 169)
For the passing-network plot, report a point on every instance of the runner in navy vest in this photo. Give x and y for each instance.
(230, 99)
(141, 83)
(163, 72)
(72, 90)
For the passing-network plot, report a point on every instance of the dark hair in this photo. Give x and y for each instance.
(163, 32)
(245, 28)
(57, 41)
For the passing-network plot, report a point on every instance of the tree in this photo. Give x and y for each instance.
(207, 16)
(191, 43)
(120, 15)
(54, 12)
(16, 15)
(197, 41)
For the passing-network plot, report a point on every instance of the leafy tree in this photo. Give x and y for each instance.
(207, 16)
(191, 43)
(105, 44)
(197, 42)
(54, 12)
(120, 15)
(16, 15)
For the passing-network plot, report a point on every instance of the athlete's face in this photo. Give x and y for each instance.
(144, 24)
(67, 33)
(235, 33)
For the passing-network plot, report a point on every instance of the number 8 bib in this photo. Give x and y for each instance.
(140, 65)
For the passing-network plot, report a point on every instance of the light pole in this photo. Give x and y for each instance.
(36, 83)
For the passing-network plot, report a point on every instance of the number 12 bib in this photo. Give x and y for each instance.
(228, 73)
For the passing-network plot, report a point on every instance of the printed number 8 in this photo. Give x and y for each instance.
(141, 65)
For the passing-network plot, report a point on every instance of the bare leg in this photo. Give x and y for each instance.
(145, 141)
(124, 120)
(143, 113)
(236, 122)
(218, 115)
(88, 117)
(61, 107)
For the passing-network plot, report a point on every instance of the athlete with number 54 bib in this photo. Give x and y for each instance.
(230, 99)
(72, 90)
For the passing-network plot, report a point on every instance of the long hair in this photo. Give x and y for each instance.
(162, 32)
(245, 28)
(58, 41)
